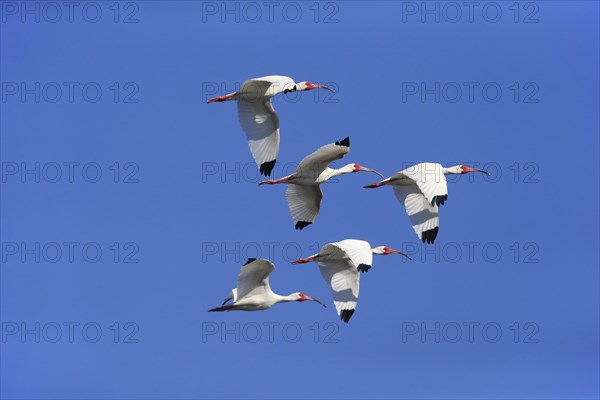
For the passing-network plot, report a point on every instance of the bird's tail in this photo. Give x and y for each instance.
(228, 307)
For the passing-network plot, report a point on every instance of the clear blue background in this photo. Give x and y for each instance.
(176, 210)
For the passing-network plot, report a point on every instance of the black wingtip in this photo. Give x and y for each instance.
(267, 167)
(430, 235)
(250, 260)
(302, 224)
(439, 199)
(363, 267)
(345, 315)
(345, 142)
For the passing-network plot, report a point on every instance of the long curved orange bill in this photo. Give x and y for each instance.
(323, 87)
(313, 299)
(370, 170)
(392, 251)
(469, 169)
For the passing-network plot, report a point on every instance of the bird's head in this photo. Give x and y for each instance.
(384, 250)
(300, 86)
(463, 169)
(302, 297)
(358, 168)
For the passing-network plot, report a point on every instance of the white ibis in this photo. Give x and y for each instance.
(257, 116)
(422, 189)
(253, 292)
(304, 191)
(340, 264)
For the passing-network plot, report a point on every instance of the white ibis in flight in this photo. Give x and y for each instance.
(257, 116)
(304, 184)
(253, 292)
(422, 189)
(340, 264)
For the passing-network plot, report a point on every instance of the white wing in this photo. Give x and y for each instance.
(341, 275)
(259, 120)
(358, 251)
(261, 125)
(253, 279)
(314, 164)
(304, 203)
(430, 179)
(423, 215)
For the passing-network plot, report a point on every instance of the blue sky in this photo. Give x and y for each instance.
(141, 201)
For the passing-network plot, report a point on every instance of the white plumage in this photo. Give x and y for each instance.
(257, 115)
(421, 189)
(253, 291)
(304, 192)
(340, 263)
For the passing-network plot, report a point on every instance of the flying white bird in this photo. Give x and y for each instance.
(257, 116)
(422, 189)
(253, 292)
(340, 264)
(304, 191)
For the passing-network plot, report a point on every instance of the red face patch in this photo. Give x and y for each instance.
(356, 168)
(465, 169)
(302, 297)
(309, 86)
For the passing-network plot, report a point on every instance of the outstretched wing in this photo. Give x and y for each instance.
(314, 164)
(358, 251)
(261, 125)
(344, 282)
(430, 179)
(254, 278)
(304, 203)
(341, 275)
(423, 215)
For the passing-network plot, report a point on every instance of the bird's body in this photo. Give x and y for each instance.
(340, 264)
(257, 115)
(253, 292)
(303, 193)
(260, 302)
(254, 88)
(422, 189)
